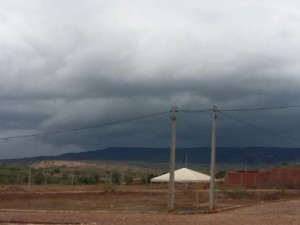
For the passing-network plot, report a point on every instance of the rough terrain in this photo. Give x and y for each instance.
(278, 213)
(86, 205)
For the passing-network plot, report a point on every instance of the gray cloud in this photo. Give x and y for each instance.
(69, 64)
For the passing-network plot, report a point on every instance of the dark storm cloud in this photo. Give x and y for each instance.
(92, 62)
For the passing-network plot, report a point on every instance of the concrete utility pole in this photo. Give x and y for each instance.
(172, 160)
(186, 166)
(72, 179)
(29, 178)
(213, 160)
(186, 160)
(110, 182)
(46, 176)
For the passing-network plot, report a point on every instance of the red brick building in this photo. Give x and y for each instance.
(250, 179)
(277, 177)
(285, 176)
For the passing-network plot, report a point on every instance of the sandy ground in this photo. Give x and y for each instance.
(88, 205)
(276, 213)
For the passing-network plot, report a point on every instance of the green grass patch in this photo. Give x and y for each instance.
(236, 192)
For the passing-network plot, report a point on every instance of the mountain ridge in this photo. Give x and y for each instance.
(224, 155)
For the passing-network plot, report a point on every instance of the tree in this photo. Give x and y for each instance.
(39, 178)
(220, 174)
(116, 178)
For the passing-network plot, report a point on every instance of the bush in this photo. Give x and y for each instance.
(39, 178)
(109, 188)
(116, 178)
(220, 174)
(236, 193)
(88, 179)
(56, 170)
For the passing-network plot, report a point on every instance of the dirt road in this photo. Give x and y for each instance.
(276, 213)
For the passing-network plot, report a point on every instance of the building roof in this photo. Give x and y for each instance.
(183, 175)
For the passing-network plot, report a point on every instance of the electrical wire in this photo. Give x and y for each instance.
(241, 109)
(195, 111)
(261, 108)
(157, 114)
(83, 128)
(259, 128)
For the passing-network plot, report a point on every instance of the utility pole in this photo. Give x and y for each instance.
(72, 179)
(122, 180)
(186, 166)
(29, 178)
(171, 193)
(46, 176)
(213, 160)
(110, 182)
(186, 160)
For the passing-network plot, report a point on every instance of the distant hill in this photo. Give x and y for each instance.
(225, 155)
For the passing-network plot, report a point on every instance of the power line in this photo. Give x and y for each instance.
(261, 108)
(153, 115)
(195, 111)
(259, 128)
(241, 109)
(83, 128)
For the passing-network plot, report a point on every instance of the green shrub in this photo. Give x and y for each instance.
(236, 193)
(39, 178)
(109, 188)
(116, 177)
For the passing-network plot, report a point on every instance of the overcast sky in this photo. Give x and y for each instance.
(69, 64)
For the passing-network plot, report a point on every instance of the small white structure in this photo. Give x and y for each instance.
(183, 175)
